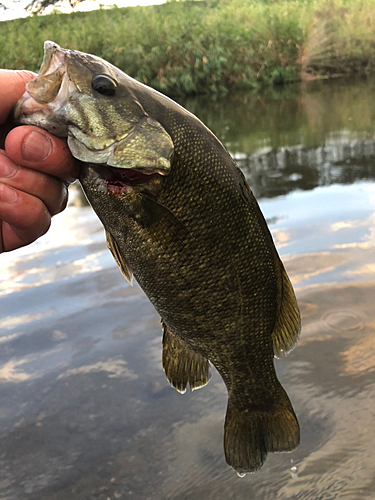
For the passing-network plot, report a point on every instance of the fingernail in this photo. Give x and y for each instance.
(7, 194)
(36, 147)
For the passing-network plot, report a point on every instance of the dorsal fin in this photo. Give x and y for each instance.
(288, 321)
(120, 261)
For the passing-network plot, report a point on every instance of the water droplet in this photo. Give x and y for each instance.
(295, 177)
(241, 474)
(294, 472)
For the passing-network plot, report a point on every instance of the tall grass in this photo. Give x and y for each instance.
(340, 39)
(198, 47)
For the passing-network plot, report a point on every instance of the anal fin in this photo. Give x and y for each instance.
(182, 364)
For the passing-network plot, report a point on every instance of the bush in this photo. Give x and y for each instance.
(197, 47)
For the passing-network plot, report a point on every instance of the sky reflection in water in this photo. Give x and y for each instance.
(85, 409)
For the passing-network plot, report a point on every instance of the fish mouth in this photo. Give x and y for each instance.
(119, 181)
(46, 93)
(53, 57)
(46, 87)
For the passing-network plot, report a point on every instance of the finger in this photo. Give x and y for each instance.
(52, 192)
(24, 218)
(35, 148)
(12, 84)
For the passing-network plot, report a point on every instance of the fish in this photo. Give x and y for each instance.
(180, 218)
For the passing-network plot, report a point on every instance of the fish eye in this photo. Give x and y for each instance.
(104, 85)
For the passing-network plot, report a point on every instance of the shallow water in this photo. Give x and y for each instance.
(86, 412)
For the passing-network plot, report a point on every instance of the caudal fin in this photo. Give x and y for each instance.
(250, 434)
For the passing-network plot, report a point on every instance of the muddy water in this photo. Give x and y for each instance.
(85, 410)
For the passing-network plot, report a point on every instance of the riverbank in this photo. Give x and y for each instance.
(183, 48)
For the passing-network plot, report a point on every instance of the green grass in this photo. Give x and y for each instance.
(184, 48)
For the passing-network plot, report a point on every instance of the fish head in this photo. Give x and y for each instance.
(91, 103)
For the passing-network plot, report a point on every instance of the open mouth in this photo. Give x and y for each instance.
(119, 180)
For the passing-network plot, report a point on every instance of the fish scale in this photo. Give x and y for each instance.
(194, 238)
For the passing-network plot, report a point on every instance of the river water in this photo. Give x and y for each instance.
(86, 412)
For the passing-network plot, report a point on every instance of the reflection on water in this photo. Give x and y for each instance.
(85, 409)
(301, 138)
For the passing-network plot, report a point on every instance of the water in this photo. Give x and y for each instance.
(86, 412)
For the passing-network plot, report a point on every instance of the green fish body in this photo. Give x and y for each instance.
(181, 219)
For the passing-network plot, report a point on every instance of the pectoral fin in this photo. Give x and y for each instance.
(288, 322)
(120, 261)
(164, 219)
(182, 364)
(160, 222)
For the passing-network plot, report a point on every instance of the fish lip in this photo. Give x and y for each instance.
(53, 56)
(50, 76)
(30, 102)
(40, 102)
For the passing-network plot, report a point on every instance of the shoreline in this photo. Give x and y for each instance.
(209, 47)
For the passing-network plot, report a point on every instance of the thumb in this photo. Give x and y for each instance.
(12, 86)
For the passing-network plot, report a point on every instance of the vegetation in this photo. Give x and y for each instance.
(213, 46)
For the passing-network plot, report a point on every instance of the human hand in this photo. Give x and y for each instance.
(35, 170)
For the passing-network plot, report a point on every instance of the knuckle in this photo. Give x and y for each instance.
(37, 222)
(40, 223)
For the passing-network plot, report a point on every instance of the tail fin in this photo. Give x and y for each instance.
(250, 434)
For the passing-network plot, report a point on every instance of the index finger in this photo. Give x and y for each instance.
(12, 86)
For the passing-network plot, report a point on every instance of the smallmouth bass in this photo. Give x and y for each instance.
(180, 218)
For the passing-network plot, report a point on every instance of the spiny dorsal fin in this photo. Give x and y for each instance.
(120, 261)
(182, 364)
(288, 321)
